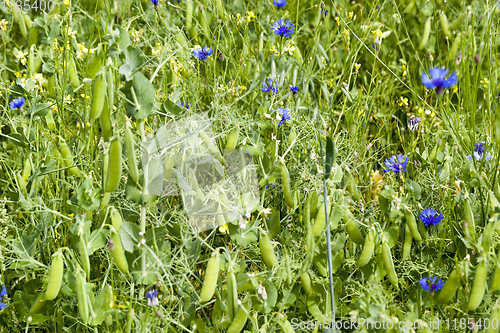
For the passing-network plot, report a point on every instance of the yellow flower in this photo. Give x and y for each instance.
(404, 70)
(351, 14)
(224, 229)
(378, 36)
(485, 82)
(289, 49)
(3, 24)
(66, 2)
(156, 51)
(338, 20)
(250, 15)
(404, 101)
(274, 50)
(455, 89)
(356, 67)
(346, 32)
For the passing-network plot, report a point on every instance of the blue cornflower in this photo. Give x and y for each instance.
(430, 283)
(155, 2)
(438, 80)
(279, 3)
(17, 103)
(269, 87)
(285, 115)
(152, 296)
(2, 294)
(428, 218)
(325, 13)
(203, 54)
(294, 89)
(282, 28)
(182, 105)
(479, 151)
(397, 163)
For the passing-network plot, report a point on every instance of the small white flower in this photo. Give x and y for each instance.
(242, 223)
(262, 291)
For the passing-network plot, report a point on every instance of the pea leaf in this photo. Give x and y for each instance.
(133, 60)
(141, 93)
(130, 236)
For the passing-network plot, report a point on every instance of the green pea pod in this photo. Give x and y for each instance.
(114, 165)
(469, 218)
(412, 224)
(314, 204)
(267, 251)
(495, 280)
(110, 80)
(84, 255)
(51, 86)
(240, 318)
(232, 139)
(407, 243)
(457, 22)
(19, 18)
(73, 75)
(105, 121)
(51, 124)
(287, 326)
(38, 304)
(117, 250)
(368, 248)
(494, 322)
(352, 229)
(313, 308)
(33, 37)
(425, 35)
(27, 21)
(189, 14)
(321, 267)
(423, 231)
(68, 157)
(450, 287)
(94, 65)
(22, 185)
(411, 6)
(98, 97)
(478, 286)
(212, 149)
(444, 24)
(319, 221)
(305, 279)
(232, 293)
(211, 276)
(454, 47)
(351, 185)
(129, 145)
(81, 293)
(389, 264)
(55, 276)
(285, 183)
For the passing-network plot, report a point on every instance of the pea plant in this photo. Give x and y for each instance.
(249, 166)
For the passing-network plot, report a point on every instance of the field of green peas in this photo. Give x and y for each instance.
(250, 166)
